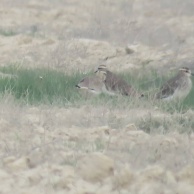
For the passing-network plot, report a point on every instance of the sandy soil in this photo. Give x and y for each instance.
(94, 150)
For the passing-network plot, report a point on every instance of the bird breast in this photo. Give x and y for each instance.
(184, 88)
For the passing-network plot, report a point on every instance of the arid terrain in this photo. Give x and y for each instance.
(87, 149)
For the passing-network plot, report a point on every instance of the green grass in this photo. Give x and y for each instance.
(149, 85)
(7, 32)
(48, 86)
(29, 87)
(36, 86)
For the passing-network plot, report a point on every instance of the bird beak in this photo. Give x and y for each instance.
(96, 71)
(142, 95)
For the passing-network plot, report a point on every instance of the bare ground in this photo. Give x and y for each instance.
(87, 149)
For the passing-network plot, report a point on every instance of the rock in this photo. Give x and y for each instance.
(34, 176)
(104, 130)
(36, 157)
(137, 134)
(39, 129)
(95, 167)
(8, 160)
(131, 127)
(170, 178)
(130, 50)
(18, 164)
(152, 173)
(123, 178)
(186, 174)
(63, 176)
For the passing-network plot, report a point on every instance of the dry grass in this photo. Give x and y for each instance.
(55, 141)
(47, 144)
(82, 143)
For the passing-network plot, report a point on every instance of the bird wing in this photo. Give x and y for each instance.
(168, 89)
(115, 83)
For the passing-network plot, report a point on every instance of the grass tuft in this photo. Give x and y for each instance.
(7, 32)
(40, 85)
(35, 86)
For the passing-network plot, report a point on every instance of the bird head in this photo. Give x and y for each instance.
(101, 72)
(101, 68)
(186, 71)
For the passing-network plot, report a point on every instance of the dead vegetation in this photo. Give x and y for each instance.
(96, 146)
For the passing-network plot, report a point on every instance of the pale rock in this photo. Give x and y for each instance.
(170, 178)
(131, 127)
(34, 176)
(39, 129)
(9, 159)
(124, 178)
(104, 130)
(63, 176)
(152, 173)
(130, 49)
(18, 164)
(168, 142)
(49, 42)
(137, 134)
(95, 167)
(186, 174)
(36, 157)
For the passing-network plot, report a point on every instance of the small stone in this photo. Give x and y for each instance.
(95, 167)
(186, 174)
(40, 130)
(17, 165)
(123, 178)
(130, 127)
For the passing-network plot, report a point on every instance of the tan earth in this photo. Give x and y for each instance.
(87, 149)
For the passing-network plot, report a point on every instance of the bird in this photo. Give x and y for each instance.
(178, 87)
(93, 84)
(116, 85)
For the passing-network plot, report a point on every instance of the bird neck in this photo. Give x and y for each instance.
(182, 74)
